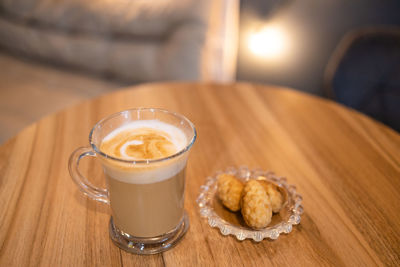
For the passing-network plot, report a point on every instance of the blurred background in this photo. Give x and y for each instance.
(55, 53)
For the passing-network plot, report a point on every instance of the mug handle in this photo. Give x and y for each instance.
(96, 193)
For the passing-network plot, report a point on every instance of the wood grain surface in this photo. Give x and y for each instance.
(346, 166)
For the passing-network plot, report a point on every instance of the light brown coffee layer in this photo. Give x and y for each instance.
(147, 210)
(139, 144)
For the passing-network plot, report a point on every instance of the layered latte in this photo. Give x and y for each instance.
(146, 188)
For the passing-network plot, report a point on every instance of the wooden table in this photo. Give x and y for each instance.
(346, 166)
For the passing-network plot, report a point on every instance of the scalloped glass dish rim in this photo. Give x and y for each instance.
(208, 191)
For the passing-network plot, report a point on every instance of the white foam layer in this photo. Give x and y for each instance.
(142, 174)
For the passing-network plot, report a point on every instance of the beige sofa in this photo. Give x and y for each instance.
(132, 40)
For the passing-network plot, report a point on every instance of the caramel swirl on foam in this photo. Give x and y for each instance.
(138, 143)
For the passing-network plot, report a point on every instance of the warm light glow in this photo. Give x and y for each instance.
(269, 42)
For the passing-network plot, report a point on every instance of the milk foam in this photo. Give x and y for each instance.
(145, 139)
(146, 173)
(179, 138)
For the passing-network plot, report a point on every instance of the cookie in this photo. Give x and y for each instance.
(256, 206)
(229, 191)
(274, 195)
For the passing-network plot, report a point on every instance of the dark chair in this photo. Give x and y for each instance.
(364, 73)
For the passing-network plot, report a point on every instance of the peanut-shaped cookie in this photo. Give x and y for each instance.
(274, 195)
(256, 206)
(229, 191)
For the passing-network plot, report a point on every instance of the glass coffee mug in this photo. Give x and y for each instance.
(146, 196)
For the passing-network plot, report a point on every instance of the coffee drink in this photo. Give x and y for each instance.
(143, 152)
(146, 199)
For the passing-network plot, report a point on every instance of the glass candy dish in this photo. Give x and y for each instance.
(232, 223)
